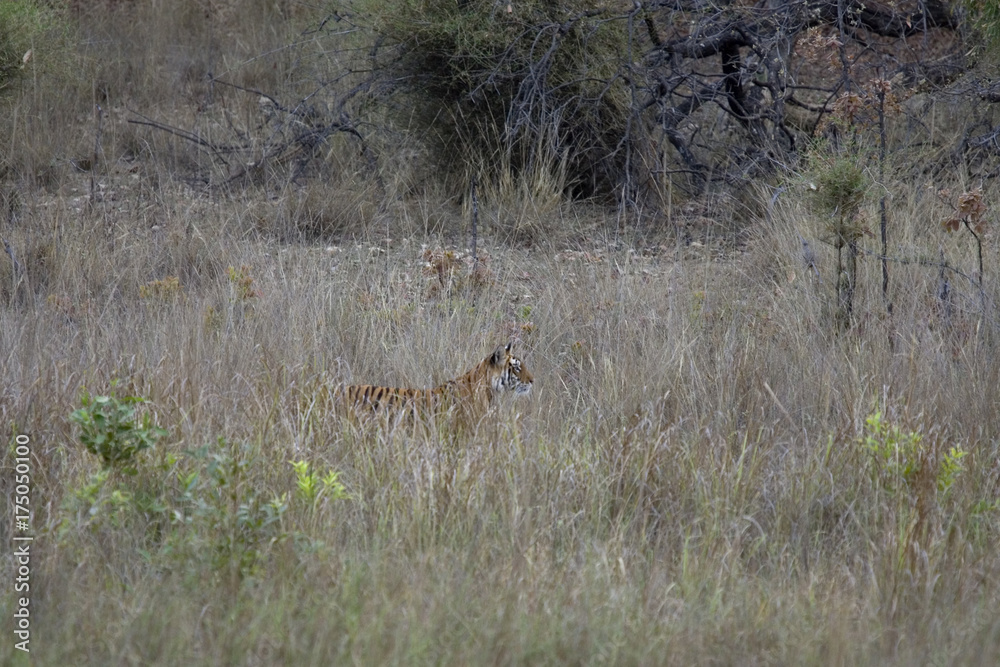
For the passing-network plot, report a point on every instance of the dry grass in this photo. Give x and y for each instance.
(686, 484)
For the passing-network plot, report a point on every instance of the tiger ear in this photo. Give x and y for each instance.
(499, 354)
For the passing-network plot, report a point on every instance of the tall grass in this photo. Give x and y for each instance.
(698, 476)
(688, 482)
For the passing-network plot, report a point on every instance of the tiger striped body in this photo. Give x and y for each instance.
(501, 372)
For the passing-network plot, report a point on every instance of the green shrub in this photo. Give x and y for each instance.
(521, 88)
(899, 456)
(223, 512)
(108, 429)
(93, 503)
(838, 182)
(204, 511)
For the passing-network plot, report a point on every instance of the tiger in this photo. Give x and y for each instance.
(501, 372)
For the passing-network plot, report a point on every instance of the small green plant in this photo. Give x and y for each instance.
(899, 455)
(894, 451)
(109, 429)
(88, 504)
(950, 468)
(839, 188)
(312, 487)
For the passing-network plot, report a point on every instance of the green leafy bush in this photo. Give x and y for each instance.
(521, 87)
(108, 429)
(223, 513)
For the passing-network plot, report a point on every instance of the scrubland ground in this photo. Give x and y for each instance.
(711, 468)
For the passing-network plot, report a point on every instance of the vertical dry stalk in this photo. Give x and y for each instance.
(17, 271)
(98, 122)
(475, 224)
(944, 291)
(883, 216)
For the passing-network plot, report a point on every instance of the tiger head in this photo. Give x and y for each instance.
(507, 372)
